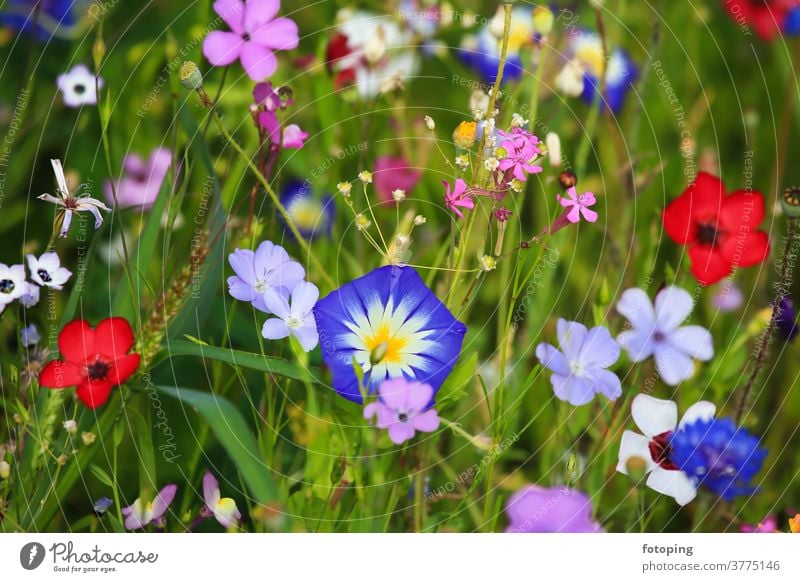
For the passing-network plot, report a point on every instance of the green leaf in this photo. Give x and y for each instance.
(455, 387)
(101, 475)
(234, 435)
(262, 363)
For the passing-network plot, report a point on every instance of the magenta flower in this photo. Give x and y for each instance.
(394, 173)
(141, 514)
(535, 509)
(255, 34)
(142, 180)
(269, 101)
(458, 197)
(769, 525)
(403, 408)
(578, 205)
(521, 150)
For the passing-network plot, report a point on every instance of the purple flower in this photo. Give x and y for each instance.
(296, 319)
(255, 34)
(579, 369)
(403, 408)
(768, 525)
(142, 180)
(656, 331)
(578, 205)
(393, 173)
(520, 153)
(141, 514)
(268, 267)
(458, 197)
(786, 319)
(223, 509)
(535, 509)
(728, 296)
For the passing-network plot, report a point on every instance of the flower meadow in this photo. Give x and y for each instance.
(405, 266)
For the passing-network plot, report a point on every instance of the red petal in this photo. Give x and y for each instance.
(114, 337)
(94, 393)
(742, 210)
(701, 200)
(76, 341)
(57, 374)
(708, 264)
(122, 369)
(746, 249)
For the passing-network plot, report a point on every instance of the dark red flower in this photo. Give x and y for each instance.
(95, 360)
(719, 229)
(767, 17)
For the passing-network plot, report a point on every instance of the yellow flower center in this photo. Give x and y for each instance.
(384, 347)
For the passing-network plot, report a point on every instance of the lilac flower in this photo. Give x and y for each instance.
(268, 102)
(403, 408)
(47, 271)
(297, 319)
(658, 419)
(141, 514)
(458, 197)
(535, 509)
(223, 509)
(786, 319)
(656, 332)
(728, 296)
(269, 266)
(70, 203)
(255, 34)
(30, 296)
(520, 154)
(578, 205)
(79, 86)
(139, 186)
(102, 505)
(579, 370)
(29, 336)
(12, 283)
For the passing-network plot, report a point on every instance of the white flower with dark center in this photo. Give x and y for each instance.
(12, 283)
(79, 86)
(47, 271)
(72, 203)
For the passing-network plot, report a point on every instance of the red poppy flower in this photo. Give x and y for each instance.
(766, 16)
(95, 360)
(719, 228)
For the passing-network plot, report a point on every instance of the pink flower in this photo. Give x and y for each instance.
(255, 34)
(394, 173)
(403, 408)
(268, 101)
(769, 525)
(458, 197)
(293, 136)
(141, 182)
(578, 205)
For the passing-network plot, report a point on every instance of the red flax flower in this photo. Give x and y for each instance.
(95, 360)
(719, 228)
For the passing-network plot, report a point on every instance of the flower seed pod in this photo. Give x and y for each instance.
(190, 76)
(567, 180)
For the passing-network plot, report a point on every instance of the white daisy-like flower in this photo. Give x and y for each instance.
(79, 86)
(73, 203)
(12, 283)
(47, 271)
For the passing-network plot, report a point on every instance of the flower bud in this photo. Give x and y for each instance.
(500, 153)
(636, 467)
(5, 470)
(567, 180)
(488, 263)
(365, 176)
(190, 76)
(790, 202)
(88, 438)
(553, 148)
(419, 220)
(70, 426)
(430, 123)
(465, 134)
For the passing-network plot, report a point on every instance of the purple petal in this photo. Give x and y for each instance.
(162, 501)
(280, 34)
(258, 62)
(210, 490)
(577, 391)
(222, 48)
(232, 12)
(552, 359)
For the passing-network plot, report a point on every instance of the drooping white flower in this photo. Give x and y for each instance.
(297, 319)
(656, 331)
(658, 419)
(79, 86)
(12, 283)
(73, 203)
(47, 271)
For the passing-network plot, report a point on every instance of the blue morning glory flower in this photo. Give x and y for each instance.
(718, 455)
(55, 17)
(393, 326)
(620, 75)
(312, 216)
(791, 26)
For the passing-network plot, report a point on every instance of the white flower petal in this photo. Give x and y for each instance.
(634, 445)
(672, 364)
(673, 483)
(654, 416)
(702, 410)
(304, 297)
(274, 329)
(276, 303)
(693, 340)
(635, 305)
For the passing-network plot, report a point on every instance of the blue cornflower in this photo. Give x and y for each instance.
(312, 216)
(786, 319)
(392, 326)
(56, 18)
(718, 455)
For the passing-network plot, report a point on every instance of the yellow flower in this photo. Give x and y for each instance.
(794, 524)
(465, 134)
